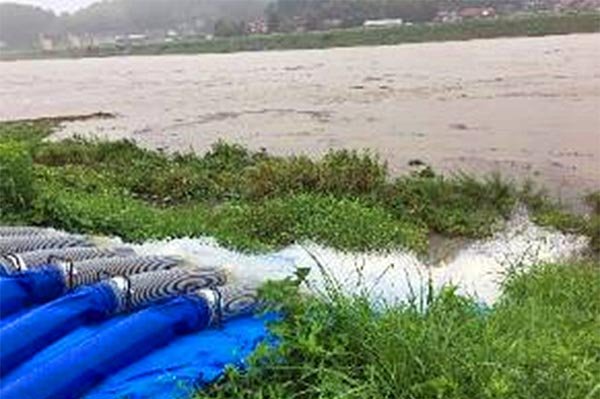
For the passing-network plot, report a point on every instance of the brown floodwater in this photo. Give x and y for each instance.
(527, 107)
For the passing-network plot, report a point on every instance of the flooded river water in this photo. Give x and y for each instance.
(527, 107)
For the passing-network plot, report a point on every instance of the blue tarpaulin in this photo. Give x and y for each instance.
(175, 371)
(187, 364)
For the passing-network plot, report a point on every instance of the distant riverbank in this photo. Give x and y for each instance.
(522, 26)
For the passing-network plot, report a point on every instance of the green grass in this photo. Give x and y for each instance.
(16, 178)
(539, 341)
(527, 25)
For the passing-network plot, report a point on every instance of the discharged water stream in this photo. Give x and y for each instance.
(477, 269)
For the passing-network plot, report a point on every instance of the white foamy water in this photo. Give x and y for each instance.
(476, 270)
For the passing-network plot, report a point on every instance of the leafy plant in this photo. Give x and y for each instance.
(16, 178)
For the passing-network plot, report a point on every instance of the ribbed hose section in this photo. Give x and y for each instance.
(16, 231)
(94, 270)
(33, 259)
(145, 288)
(11, 245)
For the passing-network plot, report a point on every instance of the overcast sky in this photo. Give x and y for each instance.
(55, 5)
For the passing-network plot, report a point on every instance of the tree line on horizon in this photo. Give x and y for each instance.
(22, 25)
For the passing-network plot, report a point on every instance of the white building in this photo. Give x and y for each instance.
(46, 43)
(383, 23)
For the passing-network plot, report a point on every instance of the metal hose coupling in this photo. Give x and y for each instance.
(230, 301)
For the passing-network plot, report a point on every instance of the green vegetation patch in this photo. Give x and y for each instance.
(539, 341)
(16, 178)
(547, 212)
(91, 205)
(249, 200)
(340, 223)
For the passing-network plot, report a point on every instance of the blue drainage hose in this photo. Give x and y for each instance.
(86, 342)
(25, 289)
(43, 284)
(74, 372)
(38, 328)
(45, 324)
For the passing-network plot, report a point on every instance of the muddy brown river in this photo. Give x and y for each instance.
(527, 107)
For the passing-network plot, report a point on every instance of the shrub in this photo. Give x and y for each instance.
(16, 178)
(341, 223)
(277, 176)
(172, 185)
(255, 200)
(342, 173)
(228, 157)
(461, 205)
(350, 173)
(78, 151)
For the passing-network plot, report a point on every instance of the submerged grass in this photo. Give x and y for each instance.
(540, 341)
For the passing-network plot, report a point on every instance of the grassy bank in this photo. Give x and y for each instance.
(248, 201)
(540, 341)
(527, 25)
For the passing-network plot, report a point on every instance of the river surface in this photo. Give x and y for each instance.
(527, 107)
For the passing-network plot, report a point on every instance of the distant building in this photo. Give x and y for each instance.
(332, 23)
(577, 5)
(448, 17)
(137, 38)
(170, 36)
(133, 39)
(77, 42)
(106, 39)
(46, 42)
(383, 23)
(74, 41)
(258, 26)
(477, 12)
